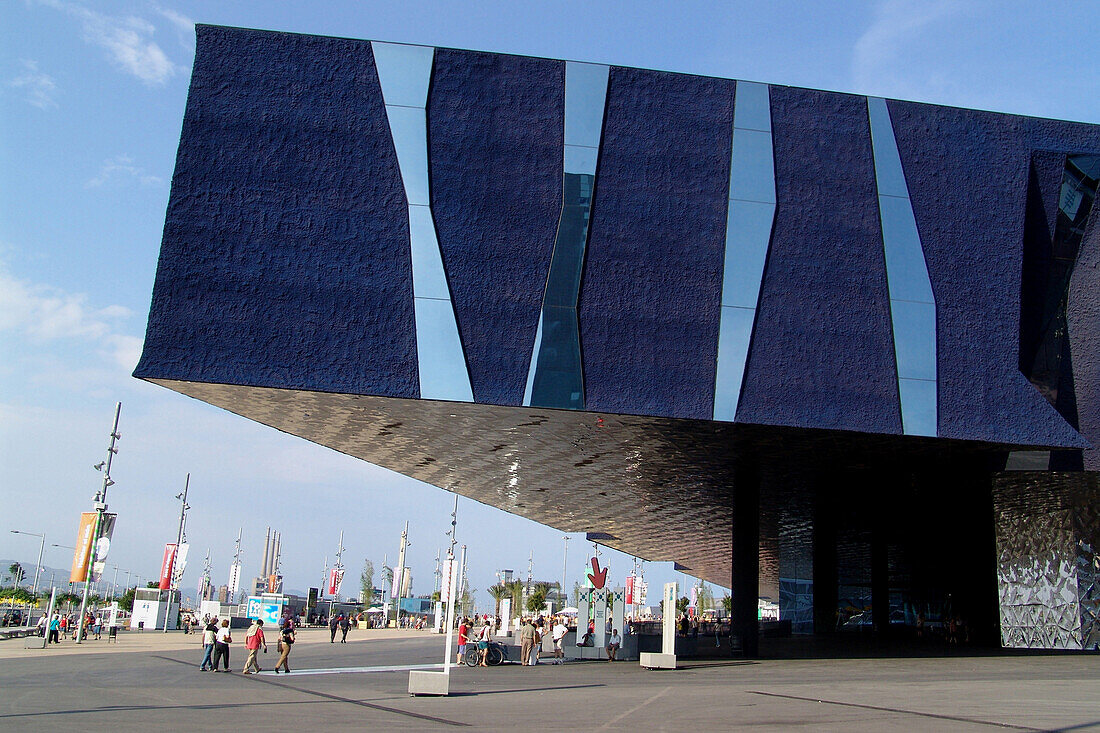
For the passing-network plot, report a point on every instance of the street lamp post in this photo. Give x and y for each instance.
(38, 567)
(179, 541)
(100, 504)
(565, 572)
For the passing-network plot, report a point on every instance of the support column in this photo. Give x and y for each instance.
(825, 559)
(746, 557)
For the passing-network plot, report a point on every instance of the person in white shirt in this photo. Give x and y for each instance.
(613, 643)
(558, 635)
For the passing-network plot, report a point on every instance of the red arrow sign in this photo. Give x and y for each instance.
(597, 577)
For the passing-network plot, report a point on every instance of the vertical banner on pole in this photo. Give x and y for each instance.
(166, 566)
(82, 551)
(234, 579)
(102, 546)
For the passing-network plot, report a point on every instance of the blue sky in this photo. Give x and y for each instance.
(92, 98)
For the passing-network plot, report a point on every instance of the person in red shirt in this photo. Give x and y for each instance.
(463, 638)
(252, 642)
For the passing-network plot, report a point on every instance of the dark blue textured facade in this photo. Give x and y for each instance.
(650, 292)
(968, 175)
(495, 134)
(285, 261)
(285, 258)
(830, 362)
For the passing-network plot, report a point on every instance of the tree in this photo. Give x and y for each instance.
(727, 604)
(515, 589)
(126, 603)
(536, 601)
(17, 573)
(578, 589)
(498, 593)
(366, 584)
(466, 602)
(704, 598)
(682, 604)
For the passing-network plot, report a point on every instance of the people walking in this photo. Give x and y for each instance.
(333, 625)
(55, 630)
(526, 641)
(345, 624)
(253, 640)
(97, 627)
(463, 638)
(286, 640)
(222, 640)
(536, 648)
(483, 643)
(558, 635)
(209, 633)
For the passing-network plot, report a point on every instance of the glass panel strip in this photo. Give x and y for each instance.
(912, 302)
(749, 221)
(404, 73)
(556, 377)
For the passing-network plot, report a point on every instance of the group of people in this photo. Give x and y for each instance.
(216, 639)
(530, 633)
(62, 625)
(340, 622)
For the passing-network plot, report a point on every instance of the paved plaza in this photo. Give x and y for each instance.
(150, 681)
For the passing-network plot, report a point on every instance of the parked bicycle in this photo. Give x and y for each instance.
(497, 654)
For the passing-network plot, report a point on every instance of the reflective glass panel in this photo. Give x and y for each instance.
(734, 334)
(918, 406)
(580, 159)
(408, 126)
(752, 172)
(585, 96)
(752, 106)
(404, 72)
(558, 381)
(429, 278)
(914, 339)
(748, 231)
(905, 267)
(888, 171)
(442, 365)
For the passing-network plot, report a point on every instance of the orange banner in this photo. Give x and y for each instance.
(83, 551)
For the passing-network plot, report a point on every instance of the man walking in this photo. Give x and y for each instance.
(345, 624)
(526, 641)
(333, 624)
(209, 634)
(252, 642)
(558, 634)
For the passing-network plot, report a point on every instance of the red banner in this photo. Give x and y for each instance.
(630, 590)
(335, 580)
(166, 566)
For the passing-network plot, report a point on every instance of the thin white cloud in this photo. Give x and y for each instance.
(127, 41)
(185, 27)
(879, 56)
(122, 168)
(45, 313)
(38, 86)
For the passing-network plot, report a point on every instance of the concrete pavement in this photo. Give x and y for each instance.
(151, 681)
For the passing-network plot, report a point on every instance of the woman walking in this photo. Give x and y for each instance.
(209, 633)
(285, 642)
(222, 640)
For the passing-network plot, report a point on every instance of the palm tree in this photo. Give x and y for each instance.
(499, 592)
(515, 589)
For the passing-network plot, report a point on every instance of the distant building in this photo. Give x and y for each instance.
(223, 594)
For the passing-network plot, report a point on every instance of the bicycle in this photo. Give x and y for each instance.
(497, 654)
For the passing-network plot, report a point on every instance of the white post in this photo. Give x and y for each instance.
(100, 508)
(49, 616)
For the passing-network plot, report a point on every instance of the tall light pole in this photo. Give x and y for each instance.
(100, 504)
(38, 567)
(401, 573)
(565, 572)
(184, 506)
